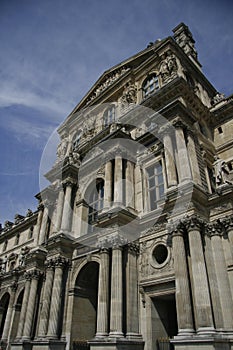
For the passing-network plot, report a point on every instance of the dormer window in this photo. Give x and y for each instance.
(110, 115)
(150, 85)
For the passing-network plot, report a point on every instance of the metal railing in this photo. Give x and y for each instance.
(80, 345)
(164, 344)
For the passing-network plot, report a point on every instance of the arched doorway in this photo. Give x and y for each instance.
(3, 311)
(85, 305)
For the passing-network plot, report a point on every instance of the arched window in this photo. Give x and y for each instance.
(110, 115)
(76, 139)
(150, 85)
(95, 200)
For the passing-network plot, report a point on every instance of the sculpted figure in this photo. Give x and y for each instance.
(62, 148)
(4, 263)
(221, 172)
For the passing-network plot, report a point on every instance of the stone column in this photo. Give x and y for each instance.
(183, 297)
(129, 185)
(81, 217)
(103, 295)
(169, 157)
(138, 189)
(35, 275)
(228, 224)
(132, 321)
(60, 202)
(67, 209)
(108, 185)
(182, 154)
(193, 158)
(200, 286)
(24, 306)
(116, 292)
(46, 301)
(226, 303)
(43, 228)
(7, 324)
(38, 223)
(118, 190)
(56, 299)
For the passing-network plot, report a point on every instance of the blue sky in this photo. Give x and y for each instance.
(52, 51)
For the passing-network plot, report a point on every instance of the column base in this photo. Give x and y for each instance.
(116, 335)
(39, 344)
(116, 344)
(185, 332)
(198, 342)
(206, 331)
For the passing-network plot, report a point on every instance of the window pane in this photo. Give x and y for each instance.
(155, 184)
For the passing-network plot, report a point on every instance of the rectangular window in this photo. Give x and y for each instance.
(155, 184)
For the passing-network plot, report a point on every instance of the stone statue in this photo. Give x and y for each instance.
(62, 148)
(168, 67)
(74, 158)
(221, 172)
(4, 263)
(218, 98)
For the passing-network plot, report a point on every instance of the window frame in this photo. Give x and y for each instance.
(96, 203)
(109, 116)
(151, 80)
(158, 197)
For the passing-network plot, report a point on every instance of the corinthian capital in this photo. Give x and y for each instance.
(227, 223)
(194, 222)
(214, 229)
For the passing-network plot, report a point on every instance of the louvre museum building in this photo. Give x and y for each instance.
(131, 244)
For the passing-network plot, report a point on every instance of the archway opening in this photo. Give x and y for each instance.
(3, 311)
(85, 305)
(18, 307)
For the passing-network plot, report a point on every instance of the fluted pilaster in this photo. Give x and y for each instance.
(132, 321)
(60, 203)
(46, 300)
(182, 154)
(168, 136)
(116, 293)
(44, 223)
(24, 307)
(56, 299)
(138, 189)
(193, 158)
(118, 190)
(215, 230)
(183, 295)
(108, 185)
(35, 275)
(200, 285)
(129, 186)
(103, 295)
(67, 208)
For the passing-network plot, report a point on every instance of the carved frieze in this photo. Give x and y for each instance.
(109, 80)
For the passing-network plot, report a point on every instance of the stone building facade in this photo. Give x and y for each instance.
(131, 245)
